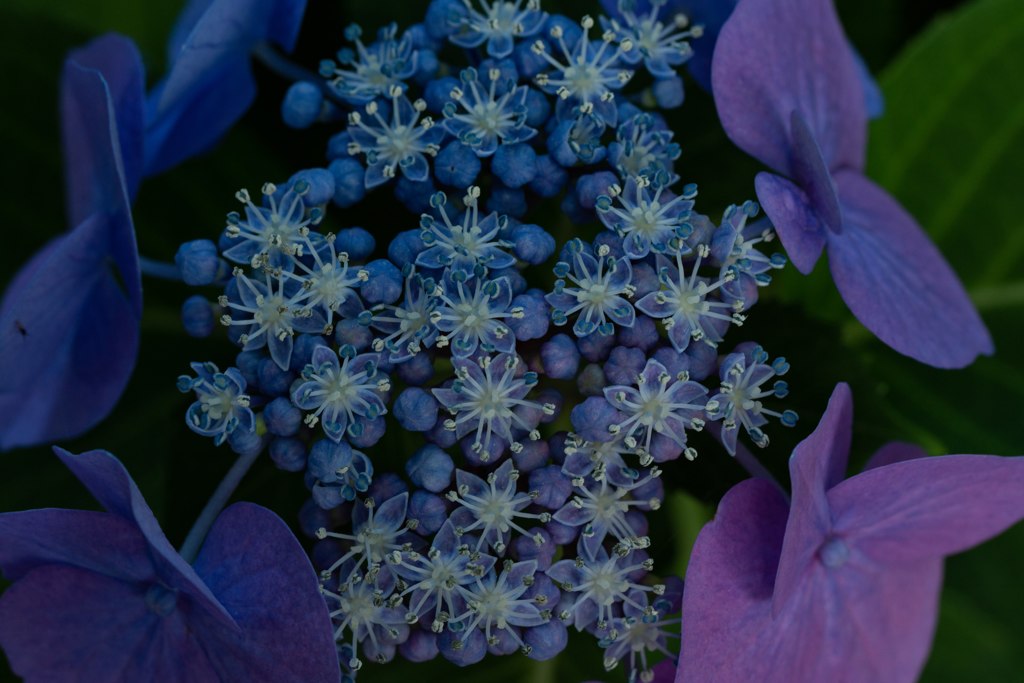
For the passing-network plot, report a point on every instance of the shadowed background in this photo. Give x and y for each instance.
(949, 148)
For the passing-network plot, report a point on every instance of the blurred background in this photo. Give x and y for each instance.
(950, 147)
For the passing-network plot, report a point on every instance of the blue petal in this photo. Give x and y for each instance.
(260, 573)
(210, 83)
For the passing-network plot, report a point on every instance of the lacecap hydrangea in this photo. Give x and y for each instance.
(541, 375)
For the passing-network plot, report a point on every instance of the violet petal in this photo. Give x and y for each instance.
(897, 282)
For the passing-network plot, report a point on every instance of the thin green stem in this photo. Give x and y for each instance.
(220, 497)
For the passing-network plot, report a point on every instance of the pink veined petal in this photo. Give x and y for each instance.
(98, 541)
(109, 482)
(729, 582)
(776, 57)
(883, 620)
(68, 340)
(62, 623)
(798, 226)
(897, 282)
(929, 507)
(818, 463)
(261, 574)
(857, 621)
(87, 150)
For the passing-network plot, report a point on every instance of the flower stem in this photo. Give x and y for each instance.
(265, 54)
(159, 269)
(220, 497)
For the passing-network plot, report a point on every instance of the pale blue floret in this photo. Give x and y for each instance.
(272, 234)
(467, 244)
(496, 603)
(642, 147)
(599, 582)
(270, 313)
(366, 73)
(222, 406)
(660, 45)
(498, 23)
(600, 459)
(639, 632)
(735, 245)
(491, 510)
(367, 608)
(597, 293)
(330, 282)
(488, 400)
(660, 403)
(738, 403)
(402, 140)
(377, 531)
(432, 578)
(586, 75)
(491, 114)
(342, 395)
(470, 313)
(601, 509)
(687, 302)
(406, 325)
(647, 218)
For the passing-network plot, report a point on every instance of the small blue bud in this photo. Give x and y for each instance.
(551, 177)
(456, 165)
(356, 242)
(288, 454)
(384, 285)
(669, 92)
(430, 468)
(282, 417)
(272, 380)
(302, 105)
(197, 317)
(415, 409)
(514, 165)
(349, 181)
(198, 262)
(429, 511)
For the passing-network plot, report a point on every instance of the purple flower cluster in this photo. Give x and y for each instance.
(446, 337)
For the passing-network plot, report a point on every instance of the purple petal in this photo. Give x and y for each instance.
(729, 581)
(97, 541)
(759, 81)
(61, 623)
(261, 574)
(898, 284)
(114, 61)
(109, 482)
(69, 335)
(68, 323)
(857, 623)
(929, 507)
(210, 82)
(790, 211)
(818, 463)
(812, 174)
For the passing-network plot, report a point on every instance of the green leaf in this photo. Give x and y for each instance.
(147, 23)
(949, 148)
